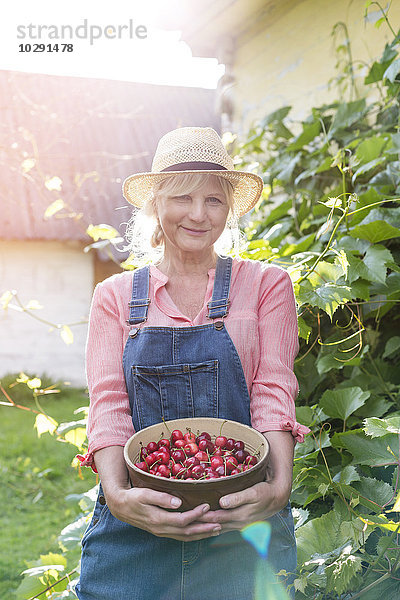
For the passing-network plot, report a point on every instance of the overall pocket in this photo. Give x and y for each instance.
(174, 392)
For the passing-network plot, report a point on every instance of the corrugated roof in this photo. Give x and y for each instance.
(90, 133)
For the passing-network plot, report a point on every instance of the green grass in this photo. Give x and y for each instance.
(35, 478)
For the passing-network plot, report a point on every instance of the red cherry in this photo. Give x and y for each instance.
(221, 472)
(180, 443)
(153, 471)
(191, 449)
(241, 455)
(220, 441)
(218, 452)
(176, 435)
(202, 444)
(177, 470)
(192, 461)
(143, 466)
(164, 443)
(163, 457)
(151, 459)
(163, 471)
(198, 471)
(216, 461)
(250, 460)
(239, 445)
(230, 444)
(202, 456)
(235, 471)
(152, 447)
(231, 463)
(203, 436)
(189, 437)
(178, 455)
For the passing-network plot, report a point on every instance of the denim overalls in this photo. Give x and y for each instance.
(170, 373)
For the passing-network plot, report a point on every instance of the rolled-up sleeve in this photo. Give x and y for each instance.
(110, 420)
(275, 387)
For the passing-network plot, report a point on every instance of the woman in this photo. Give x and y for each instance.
(234, 322)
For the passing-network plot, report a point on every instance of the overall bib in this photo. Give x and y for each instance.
(171, 373)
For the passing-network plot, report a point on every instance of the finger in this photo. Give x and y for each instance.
(183, 519)
(249, 496)
(162, 499)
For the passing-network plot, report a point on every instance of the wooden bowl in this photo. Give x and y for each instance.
(193, 493)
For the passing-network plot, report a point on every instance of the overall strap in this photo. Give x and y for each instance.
(218, 306)
(140, 300)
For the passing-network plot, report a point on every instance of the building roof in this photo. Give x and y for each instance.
(75, 140)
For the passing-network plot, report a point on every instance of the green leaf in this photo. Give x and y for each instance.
(347, 475)
(376, 231)
(310, 131)
(102, 231)
(276, 115)
(341, 572)
(357, 269)
(379, 427)
(388, 589)
(278, 212)
(66, 334)
(327, 296)
(326, 272)
(375, 260)
(368, 167)
(370, 148)
(44, 423)
(341, 403)
(286, 167)
(326, 534)
(304, 329)
(373, 490)
(71, 535)
(392, 71)
(30, 587)
(392, 346)
(366, 451)
(347, 114)
(376, 72)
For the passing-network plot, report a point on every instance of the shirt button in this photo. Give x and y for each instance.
(102, 500)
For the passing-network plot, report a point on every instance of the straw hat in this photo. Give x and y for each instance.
(193, 150)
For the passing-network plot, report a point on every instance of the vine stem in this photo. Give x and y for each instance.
(384, 14)
(67, 576)
(31, 314)
(370, 586)
(326, 249)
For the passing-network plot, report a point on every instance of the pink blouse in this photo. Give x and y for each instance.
(262, 323)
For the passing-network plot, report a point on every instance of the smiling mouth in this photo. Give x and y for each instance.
(195, 230)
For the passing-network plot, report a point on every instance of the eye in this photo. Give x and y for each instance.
(183, 198)
(214, 200)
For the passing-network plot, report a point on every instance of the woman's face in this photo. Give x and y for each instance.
(193, 222)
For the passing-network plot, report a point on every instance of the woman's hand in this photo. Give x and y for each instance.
(146, 509)
(264, 499)
(256, 503)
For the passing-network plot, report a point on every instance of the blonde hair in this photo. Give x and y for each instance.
(145, 236)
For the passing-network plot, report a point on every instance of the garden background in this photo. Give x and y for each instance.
(330, 215)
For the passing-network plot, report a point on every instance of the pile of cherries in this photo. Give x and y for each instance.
(190, 457)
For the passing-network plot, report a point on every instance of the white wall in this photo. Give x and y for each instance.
(60, 277)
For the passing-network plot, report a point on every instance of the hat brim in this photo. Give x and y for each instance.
(138, 188)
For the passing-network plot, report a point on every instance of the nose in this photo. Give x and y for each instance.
(197, 210)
